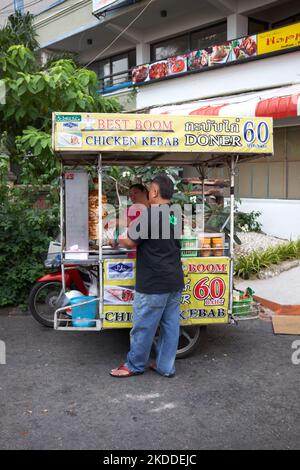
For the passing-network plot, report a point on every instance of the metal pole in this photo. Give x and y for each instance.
(231, 246)
(203, 203)
(62, 219)
(100, 236)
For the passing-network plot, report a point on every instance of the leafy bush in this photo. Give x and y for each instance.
(25, 233)
(248, 221)
(251, 265)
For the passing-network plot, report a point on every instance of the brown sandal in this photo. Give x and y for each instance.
(122, 371)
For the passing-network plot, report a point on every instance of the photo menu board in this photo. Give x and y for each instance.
(247, 47)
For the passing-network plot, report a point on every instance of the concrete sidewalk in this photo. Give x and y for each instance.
(283, 289)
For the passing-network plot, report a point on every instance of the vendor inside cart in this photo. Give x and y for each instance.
(139, 195)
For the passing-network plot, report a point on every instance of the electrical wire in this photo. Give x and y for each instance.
(10, 4)
(34, 2)
(120, 34)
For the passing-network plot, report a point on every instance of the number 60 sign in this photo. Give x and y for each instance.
(214, 289)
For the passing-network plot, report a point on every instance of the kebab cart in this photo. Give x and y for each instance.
(83, 140)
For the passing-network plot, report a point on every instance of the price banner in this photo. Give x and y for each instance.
(205, 298)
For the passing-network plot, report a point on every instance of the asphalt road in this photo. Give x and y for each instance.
(239, 391)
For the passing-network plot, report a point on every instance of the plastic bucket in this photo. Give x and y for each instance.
(83, 313)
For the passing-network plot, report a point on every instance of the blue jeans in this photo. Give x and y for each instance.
(149, 312)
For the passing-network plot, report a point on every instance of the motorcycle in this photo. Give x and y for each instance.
(47, 294)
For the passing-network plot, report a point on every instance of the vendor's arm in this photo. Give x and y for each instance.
(136, 233)
(126, 242)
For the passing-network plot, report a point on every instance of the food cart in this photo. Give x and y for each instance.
(82, 140)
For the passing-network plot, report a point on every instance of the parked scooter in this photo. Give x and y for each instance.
(47, 293)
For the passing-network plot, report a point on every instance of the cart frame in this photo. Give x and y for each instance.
(158, 158)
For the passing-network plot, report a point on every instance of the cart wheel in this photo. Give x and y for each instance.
(189, 340)
(43, 301)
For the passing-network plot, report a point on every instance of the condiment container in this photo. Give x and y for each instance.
(218, 246)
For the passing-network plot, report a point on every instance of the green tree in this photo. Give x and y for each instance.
(18, 30)
(32, 95)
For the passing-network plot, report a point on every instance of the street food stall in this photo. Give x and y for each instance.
(82, 141)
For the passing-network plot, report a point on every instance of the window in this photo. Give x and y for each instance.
(115, 70)
(257, 26)
(207, 37)
(184, 43)
(275, 16)
(287, 21)
(170, 47)
(276, 177)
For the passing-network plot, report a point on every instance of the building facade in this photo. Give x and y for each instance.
(212, 57)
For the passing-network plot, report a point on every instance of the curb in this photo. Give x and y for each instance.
(273, 271)
(278, 309)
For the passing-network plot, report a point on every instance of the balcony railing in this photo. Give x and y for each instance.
(116, 81)
(248, 48)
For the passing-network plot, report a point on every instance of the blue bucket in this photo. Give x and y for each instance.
(84, 312)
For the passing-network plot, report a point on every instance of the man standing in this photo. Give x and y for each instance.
(159, 282)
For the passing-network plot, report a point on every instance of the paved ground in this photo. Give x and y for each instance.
(283, 289)
(240, 390)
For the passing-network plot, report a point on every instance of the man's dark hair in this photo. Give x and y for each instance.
(139, 186)
(166, 186)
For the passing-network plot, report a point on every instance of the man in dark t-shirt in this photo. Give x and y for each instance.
(159, 283)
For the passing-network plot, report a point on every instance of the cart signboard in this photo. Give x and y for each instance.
(92, 133)
(204, 300)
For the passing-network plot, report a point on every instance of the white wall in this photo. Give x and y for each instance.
(280, 218)
(273, 71)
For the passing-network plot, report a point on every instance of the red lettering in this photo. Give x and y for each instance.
(270, 41)
(289, 38)
(201, 290)
(117, 124)
(210, 268)
(217, 288)
(147, 125)
(192, 268)
(168, 125)
(138, 125)
(221, 268)
(101, 123)
(201, 268)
